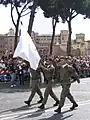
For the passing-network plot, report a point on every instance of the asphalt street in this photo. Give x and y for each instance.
(12, 105)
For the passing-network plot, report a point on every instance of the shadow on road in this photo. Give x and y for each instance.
(39, 112)
(29, 114)
(57, 117)
(25, 107)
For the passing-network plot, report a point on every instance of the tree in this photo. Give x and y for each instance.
(86, 9)
(49, 8)
(66, 9)
(32, 15)
(22, 8)
(68, 13)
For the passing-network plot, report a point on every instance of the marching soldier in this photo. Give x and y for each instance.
(49, 69)
(67, 73)
(35, 86)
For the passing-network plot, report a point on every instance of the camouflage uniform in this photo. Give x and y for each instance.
(67, 73)
(35, 86)
(48, 91)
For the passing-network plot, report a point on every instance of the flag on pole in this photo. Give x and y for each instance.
(27, 50)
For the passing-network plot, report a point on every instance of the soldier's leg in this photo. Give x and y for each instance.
(70, 97)
(52, 94)
(39, 93)
(46, 94)
(33, 91)
(63, 95)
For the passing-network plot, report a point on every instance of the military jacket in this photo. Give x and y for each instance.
(67, 73)
(35, 74)
(48, 72)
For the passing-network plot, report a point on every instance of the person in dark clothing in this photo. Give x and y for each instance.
(20, 74)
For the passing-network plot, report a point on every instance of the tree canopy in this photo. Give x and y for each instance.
(86, 9)
(70, 9)
(49, 8)
(66, 9)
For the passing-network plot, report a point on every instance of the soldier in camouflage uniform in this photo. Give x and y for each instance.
(35, 86)
(49, 69)
(67, 74)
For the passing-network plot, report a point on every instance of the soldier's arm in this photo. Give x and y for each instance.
(74, 74)
(47, 69)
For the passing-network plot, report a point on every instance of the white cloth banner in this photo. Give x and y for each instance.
(27, 50)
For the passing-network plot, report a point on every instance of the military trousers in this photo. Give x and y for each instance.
(49, 91)
(65, 93)
(35, 89)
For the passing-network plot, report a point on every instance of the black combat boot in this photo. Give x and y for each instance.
(42, 106)
(57, 102)
(40, 101)
(27, 102)
(58, 110)
(74, 106)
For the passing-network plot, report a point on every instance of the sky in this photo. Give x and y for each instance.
(43, 25)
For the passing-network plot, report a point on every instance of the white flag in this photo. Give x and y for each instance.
(27, 50)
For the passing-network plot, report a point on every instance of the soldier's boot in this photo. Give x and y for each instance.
(40, 101)
(27, 102)
(57, 102)
(58, 110)
(42, 106)
(74, 106)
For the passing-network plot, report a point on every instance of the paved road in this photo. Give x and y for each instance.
(12, 106)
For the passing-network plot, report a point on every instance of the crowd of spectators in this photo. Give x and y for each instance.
(17, 69)
(81, 64)
(14, 70)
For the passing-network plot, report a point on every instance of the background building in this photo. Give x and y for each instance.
(7, 43)
(79, 46)
(87, 48)
(43, 43)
